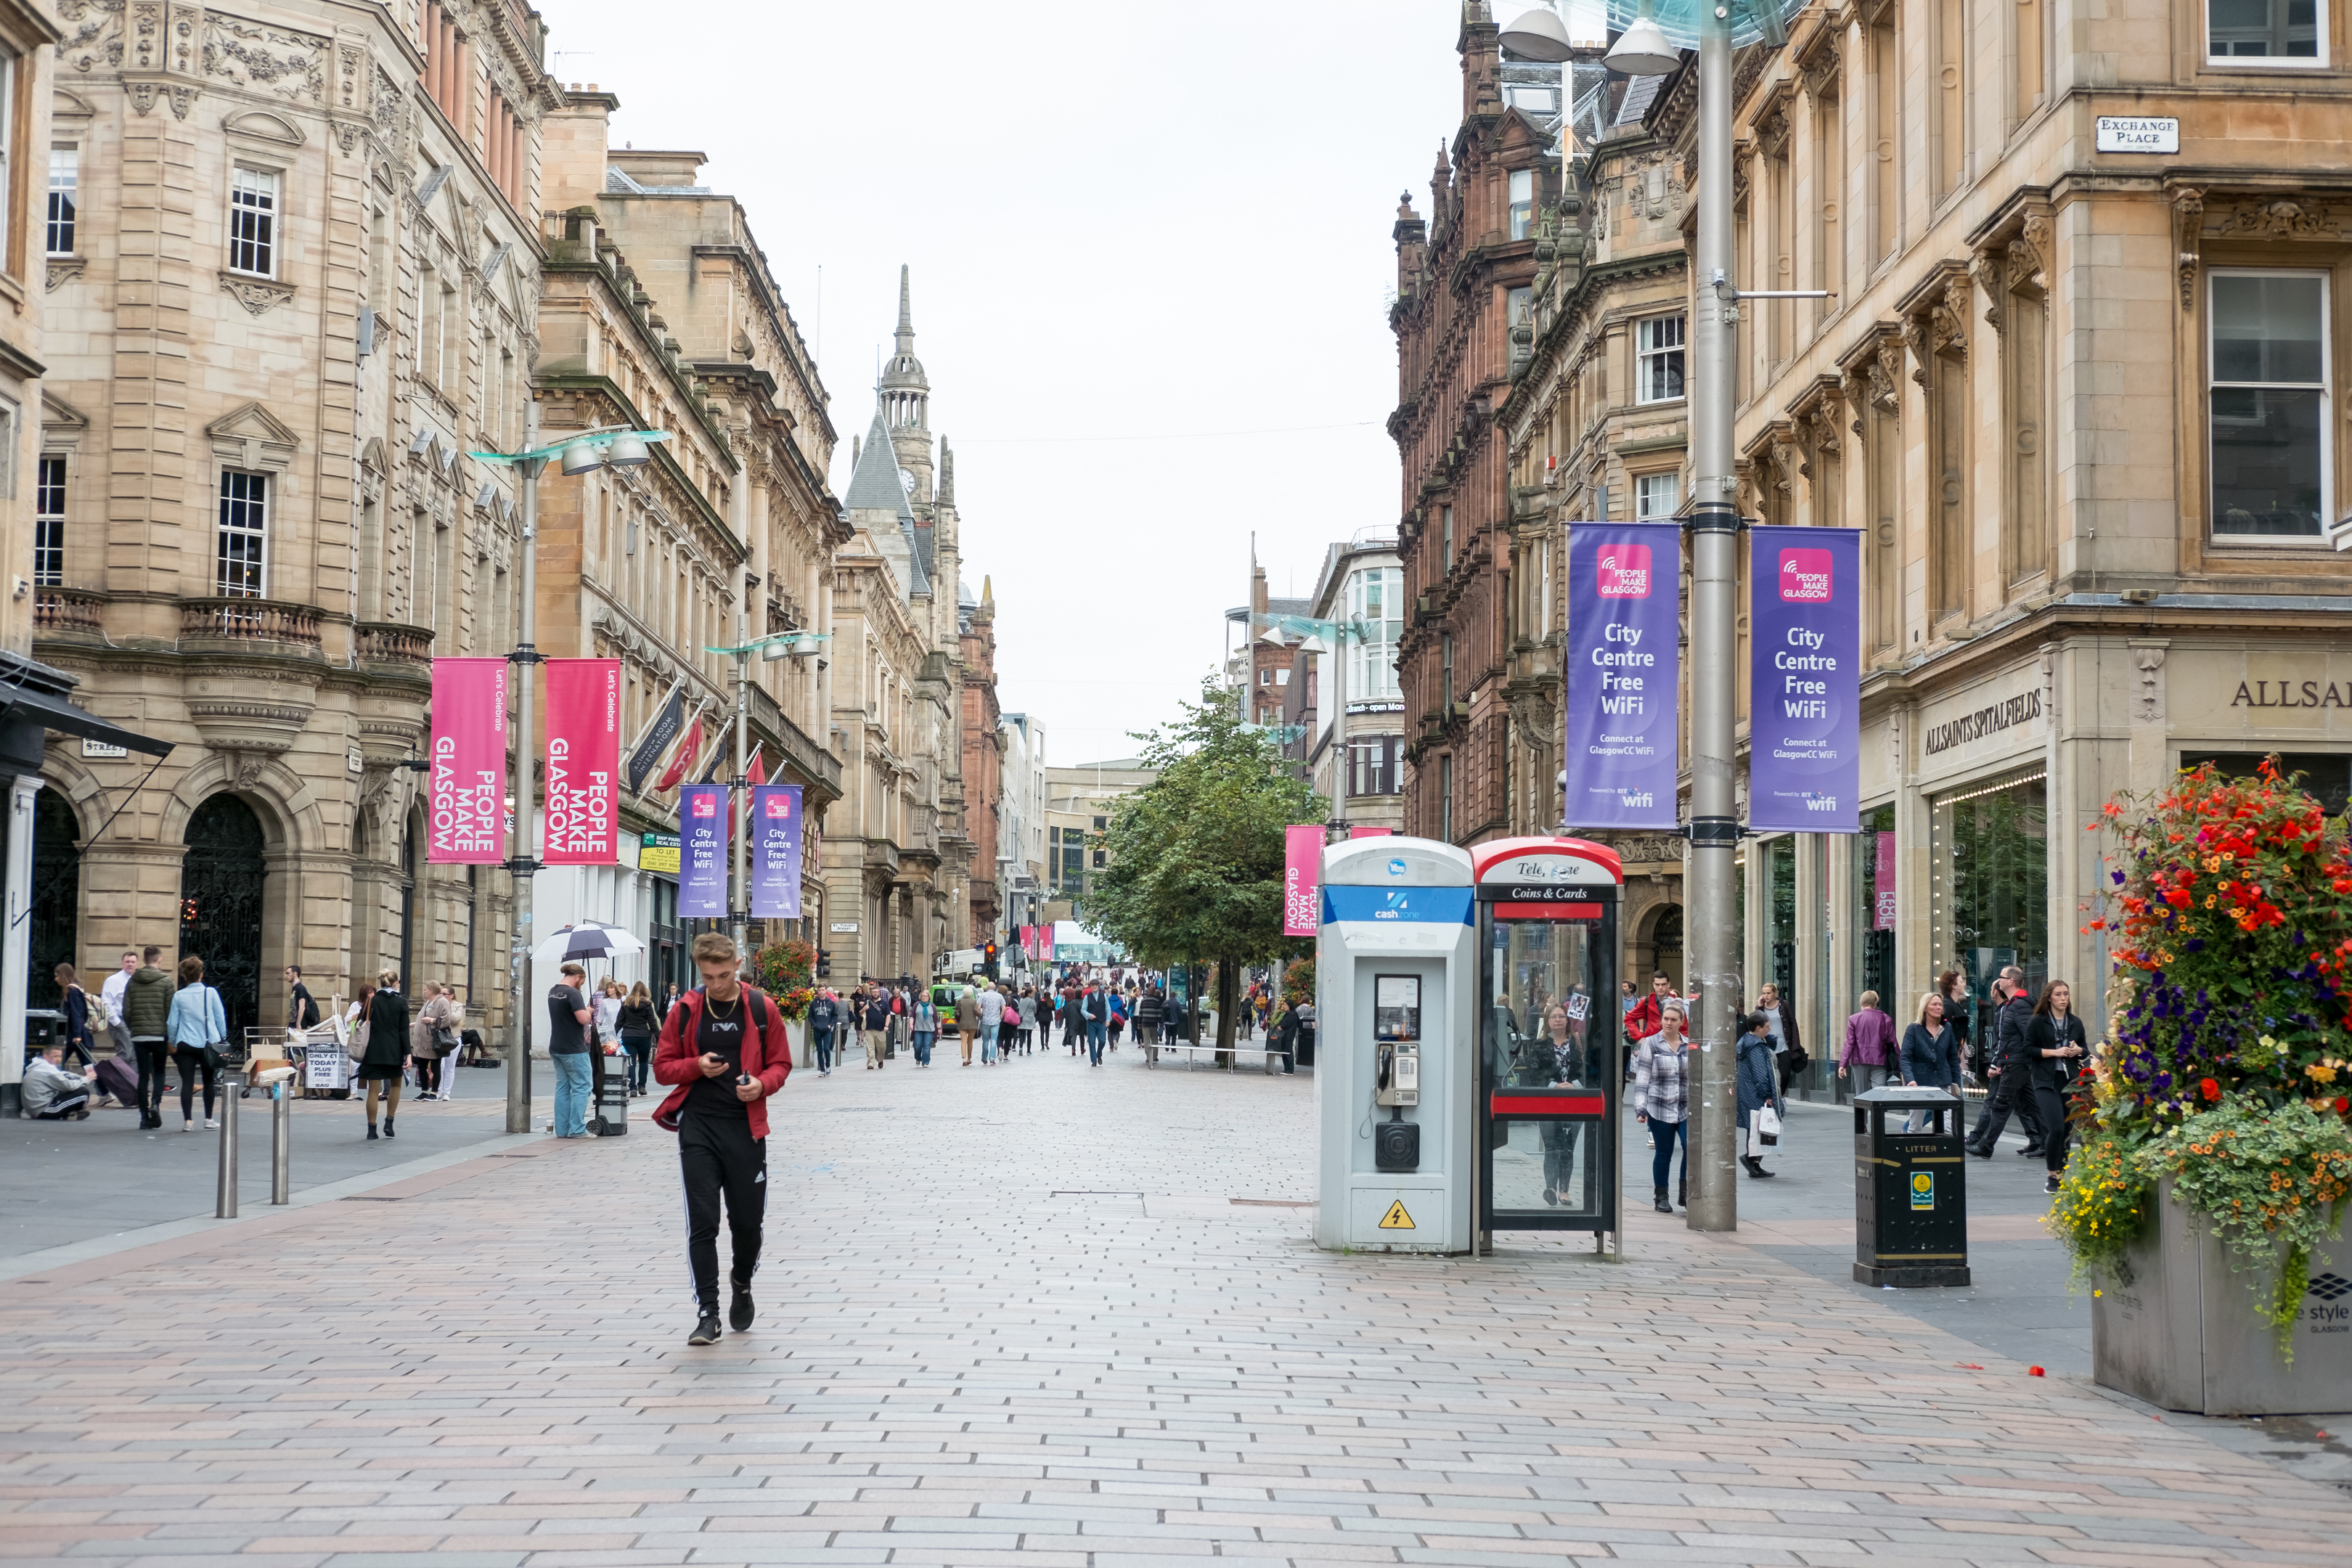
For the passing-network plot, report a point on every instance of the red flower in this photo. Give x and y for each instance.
(2179, 898)
(2342, 1105)
(2209, 1088)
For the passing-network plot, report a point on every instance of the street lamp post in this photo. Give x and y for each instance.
(801, 644)
(583, 454)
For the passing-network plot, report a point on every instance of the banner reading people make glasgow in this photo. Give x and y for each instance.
(583, 761)
(1623, 673)
(1804, 621)
(467, 797)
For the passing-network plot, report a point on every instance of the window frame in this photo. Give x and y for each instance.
(71, 151)
(48, 520)
(1673, 478)
(2265, 62)
(1519, 210)
(1371, 673)
(2330, 527)
(224, 529)
(272, 243)
(1679, 348)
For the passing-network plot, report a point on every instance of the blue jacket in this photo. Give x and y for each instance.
(196, 1019)
(1931, 1061)
(1755, 1079)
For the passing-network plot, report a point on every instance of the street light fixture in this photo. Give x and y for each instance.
(583, 454)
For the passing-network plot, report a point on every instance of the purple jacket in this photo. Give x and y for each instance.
(1869, 1039)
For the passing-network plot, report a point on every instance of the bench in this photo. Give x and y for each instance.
(1193, 1053)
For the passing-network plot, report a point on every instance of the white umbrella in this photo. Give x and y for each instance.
(586, 940)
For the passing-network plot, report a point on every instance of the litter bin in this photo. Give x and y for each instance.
(612, 1102)
(1910, 1197)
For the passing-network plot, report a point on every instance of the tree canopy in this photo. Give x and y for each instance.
(1195, 864)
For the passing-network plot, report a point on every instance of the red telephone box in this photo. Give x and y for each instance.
(1552, 1047)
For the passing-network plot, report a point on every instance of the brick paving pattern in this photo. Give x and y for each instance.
(1013, 1315)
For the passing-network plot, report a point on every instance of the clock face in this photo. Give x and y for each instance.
(906, 480)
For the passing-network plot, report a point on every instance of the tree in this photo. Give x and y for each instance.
(1195, 862)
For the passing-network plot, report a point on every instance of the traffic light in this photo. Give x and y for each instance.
(824, 964)
(988, 959)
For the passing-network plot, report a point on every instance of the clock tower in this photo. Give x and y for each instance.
(907, 407)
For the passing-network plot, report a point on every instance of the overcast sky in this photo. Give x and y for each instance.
(1150, 251)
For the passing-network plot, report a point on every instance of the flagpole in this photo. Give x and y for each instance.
(520, 862)
(741, 906)
(655, 717)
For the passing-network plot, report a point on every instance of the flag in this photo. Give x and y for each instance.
(468, 793)
(584, 745)
(687, 752)
(650, 746)
(757, 771)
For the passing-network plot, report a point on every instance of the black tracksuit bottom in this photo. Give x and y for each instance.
(716, 1155)
(2012, 1091)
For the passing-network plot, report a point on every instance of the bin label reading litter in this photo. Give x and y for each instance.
(1923, 1189)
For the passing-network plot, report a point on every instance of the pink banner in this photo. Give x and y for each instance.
(1302, 870)
(584, 759)
(467, 799)
(1882, 915)
(1355, 833)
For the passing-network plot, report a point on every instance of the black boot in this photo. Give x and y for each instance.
(1755, 1166)
(387, 1126)
(1660, 1204)
(370, 1132)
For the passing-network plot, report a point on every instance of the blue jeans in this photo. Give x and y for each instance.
(1097, 1034)
(1664, 1133)
(1095, 1047)
(571, 1094)
(923, 1048)
(987, 1042)
(820, 1038)
(641, 1063)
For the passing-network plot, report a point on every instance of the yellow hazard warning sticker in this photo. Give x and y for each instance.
(1396, 1218)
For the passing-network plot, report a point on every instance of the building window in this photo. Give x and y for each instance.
(49, 521)
(1989, 880)
(1372, 764)
(65, 180)
(1523, 201)
(253, 223)
(8, 144)
(2270, 402)
(1445, 524)
(1445, 797)
(1656, 496)
(2288, 32)
(1376, 599)
(1658, 359)
(237, 558)
(1445, 676)
(1102, 822)
(1099, 858)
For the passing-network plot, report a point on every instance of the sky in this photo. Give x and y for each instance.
(1151, 257)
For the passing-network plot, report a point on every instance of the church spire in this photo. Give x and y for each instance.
(906, 315)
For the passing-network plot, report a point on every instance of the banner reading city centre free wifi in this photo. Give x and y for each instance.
(1623, 673)
(1804, 679)
(467, 797)
(583, 761)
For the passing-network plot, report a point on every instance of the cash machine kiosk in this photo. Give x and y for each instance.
(1550, 1045)
(1396, 1070)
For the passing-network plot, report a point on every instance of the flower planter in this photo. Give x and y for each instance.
(796, 1037)
(2183, 1334)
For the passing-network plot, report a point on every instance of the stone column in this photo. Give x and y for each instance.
(19, 905)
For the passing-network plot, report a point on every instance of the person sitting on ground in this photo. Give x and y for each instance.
(53, 1094)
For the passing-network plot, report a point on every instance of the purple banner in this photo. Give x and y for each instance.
(1623, 673)
(776, 852)
(702, 852)
(1804, 706)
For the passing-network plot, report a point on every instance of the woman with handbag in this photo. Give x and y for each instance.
(387, 1047)
(2055, 1043)
(638, 1027)
(434, 1036)
(1758, 1093)
(195, 1031)
(1662, 1098)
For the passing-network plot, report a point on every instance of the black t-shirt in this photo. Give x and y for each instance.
(720, 1034)
(303, 1008)
(564, 1004)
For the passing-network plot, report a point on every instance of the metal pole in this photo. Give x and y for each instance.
(281, 1144)
(1338, 722)
(521, 861)
(224, 1180)
(739, 792)
(1715, 532)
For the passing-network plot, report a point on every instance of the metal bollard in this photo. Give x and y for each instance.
(225, 1185)
(281, 1144)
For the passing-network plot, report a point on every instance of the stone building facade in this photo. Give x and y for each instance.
(1465, 276)
(981, 746)
(1357, 763)
(660, 313)
(300, 284)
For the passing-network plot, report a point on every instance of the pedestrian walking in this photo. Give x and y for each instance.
(638, 1026)
(146, 1019)
(301, 1007)
(1661, 1100)
(824, 1018)
(991, 1015)
(1098, 1008)
(923, 1022)
(1151, 1008)
(74, 1003)
(196, 1027)
(967, 1020)
(1113, 1025)
(1790, 1058)
(118, 985)
(1026, 1009)
(568, 1018)
(1955, 992)
(433, 1037)
(1758, 1082)
(874, 1028)
(2055, 1041)
(387, 1048)
(1305, 1012)
(723, 1050)
(2012, 1079)
(1869, 1052)
(1931, 1056)
(1645, 1018)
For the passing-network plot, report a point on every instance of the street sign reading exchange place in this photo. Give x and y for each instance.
(2138, 134)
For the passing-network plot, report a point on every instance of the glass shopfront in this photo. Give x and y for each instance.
(1874, 909)
(1989, 891)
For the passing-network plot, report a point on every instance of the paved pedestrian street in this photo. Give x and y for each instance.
(1044, 1314)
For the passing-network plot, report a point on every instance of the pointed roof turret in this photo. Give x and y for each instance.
(874, 481)
(904, 372)
(947, 474)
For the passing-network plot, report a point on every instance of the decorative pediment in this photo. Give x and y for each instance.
(252, 437)
(1935, 316)
(60, 418)
(259, 296)
(269, 127)
(64, 105)
(1871, 372)
(372, 456)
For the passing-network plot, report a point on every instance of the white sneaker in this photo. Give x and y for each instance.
(210, 1125)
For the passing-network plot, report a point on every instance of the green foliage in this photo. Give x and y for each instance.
(1195, 864)
(784, 971)
(2101, 1206)
(1298, 982)
(2261, 1177)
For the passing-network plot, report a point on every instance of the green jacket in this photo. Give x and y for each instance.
(147, 1002)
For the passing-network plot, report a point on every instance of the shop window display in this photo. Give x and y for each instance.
(1988, 894)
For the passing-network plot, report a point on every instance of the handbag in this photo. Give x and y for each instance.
(357, 1041)
(1767, 1122)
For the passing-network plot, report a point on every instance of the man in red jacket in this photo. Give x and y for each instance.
(724, 1051)
(1643, 1020)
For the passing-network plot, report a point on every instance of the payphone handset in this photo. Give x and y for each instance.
(1396, 1039)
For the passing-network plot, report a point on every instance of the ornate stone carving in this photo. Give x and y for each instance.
(257, 295)
(2147, 683)
(1989, 273)
(272, 62)
(2187, 223)
(183, 98)
(142, 95)
(94, 41)
(64, 268)
(2279, 220)
(144, 39)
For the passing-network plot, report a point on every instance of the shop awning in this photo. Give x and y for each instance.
(27, 705)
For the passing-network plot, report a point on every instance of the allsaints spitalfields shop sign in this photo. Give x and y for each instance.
(2293, 694)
